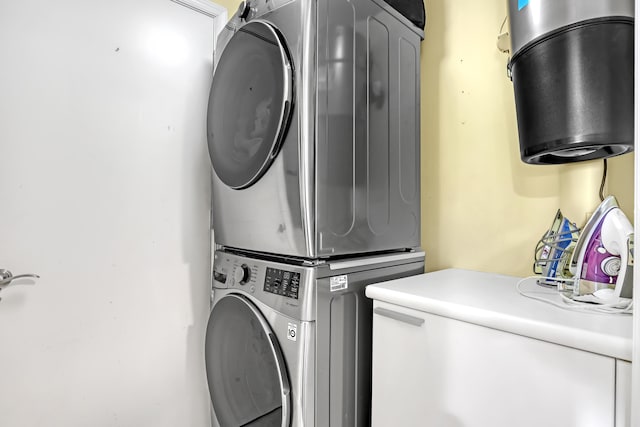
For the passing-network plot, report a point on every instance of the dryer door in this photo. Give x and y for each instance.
(246, 372)
(250, 104)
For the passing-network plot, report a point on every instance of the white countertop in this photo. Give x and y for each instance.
(492, 300)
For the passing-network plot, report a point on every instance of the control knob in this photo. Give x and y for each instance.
(610, 266)
(244, 9)
(242, 274)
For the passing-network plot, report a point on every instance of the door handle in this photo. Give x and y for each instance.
(6, 277)
(406, 318)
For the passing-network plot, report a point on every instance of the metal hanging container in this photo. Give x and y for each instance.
(572, 72)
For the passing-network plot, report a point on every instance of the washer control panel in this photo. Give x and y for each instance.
(232, 272)
(285, 287)
(282, 282)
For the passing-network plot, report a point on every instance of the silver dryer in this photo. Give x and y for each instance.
(314, 129)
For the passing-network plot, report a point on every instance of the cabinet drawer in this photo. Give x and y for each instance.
(430, 370)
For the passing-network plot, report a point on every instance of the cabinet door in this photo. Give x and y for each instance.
(433, 371)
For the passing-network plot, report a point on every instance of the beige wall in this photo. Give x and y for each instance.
(482, 207)
(231, 5)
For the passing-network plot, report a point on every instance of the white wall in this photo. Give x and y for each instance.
(104, 192)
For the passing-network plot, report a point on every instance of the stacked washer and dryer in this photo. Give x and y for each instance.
(313, 133)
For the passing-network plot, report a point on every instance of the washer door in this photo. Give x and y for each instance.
(246, 372)
(250, 104)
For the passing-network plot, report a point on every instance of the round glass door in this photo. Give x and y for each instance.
(250, 104)
(246, 373)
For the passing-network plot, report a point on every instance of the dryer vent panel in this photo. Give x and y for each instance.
(368, 129)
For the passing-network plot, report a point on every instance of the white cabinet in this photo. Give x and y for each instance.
(439, 364)
(623, 393)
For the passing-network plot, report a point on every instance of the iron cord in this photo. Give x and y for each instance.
(549, 296)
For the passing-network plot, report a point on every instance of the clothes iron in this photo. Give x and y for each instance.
(553, 251)
(603, 257)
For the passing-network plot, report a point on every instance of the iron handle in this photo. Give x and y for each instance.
(412, 320)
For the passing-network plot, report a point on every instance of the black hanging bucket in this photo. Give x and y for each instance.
(572, 71)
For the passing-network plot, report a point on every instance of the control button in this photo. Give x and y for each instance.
(611, 266)
(242, 274)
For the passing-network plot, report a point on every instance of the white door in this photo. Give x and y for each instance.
(105, 193)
